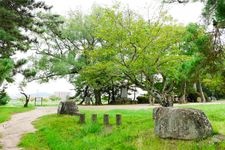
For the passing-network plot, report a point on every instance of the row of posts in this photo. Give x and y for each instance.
(105, 119)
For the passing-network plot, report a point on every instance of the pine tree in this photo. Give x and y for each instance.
(17, 19)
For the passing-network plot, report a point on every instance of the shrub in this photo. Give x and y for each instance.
(45, 99)
(192, 97)
(142, 100)
(4, 98)
(54, 98)
(21, 99)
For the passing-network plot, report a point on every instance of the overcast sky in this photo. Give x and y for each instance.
(182, 13)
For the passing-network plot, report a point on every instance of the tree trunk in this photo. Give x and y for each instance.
(151, 100)
(85, 95)
(109, 96)
(201, 92)
(195, 87)
(27, 99)
(113, 96)
(183, 97)
(97, 94)
(134, 94)
(151, 97)
(26, 103)
(82, 102)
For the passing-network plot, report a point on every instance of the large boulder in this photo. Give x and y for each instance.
(67, 107)
(181, 123)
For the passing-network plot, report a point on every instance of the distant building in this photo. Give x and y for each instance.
(62, 95)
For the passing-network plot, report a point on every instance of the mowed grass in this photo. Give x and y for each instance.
(61, 132)
(7, 112)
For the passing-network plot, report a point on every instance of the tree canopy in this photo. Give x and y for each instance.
(113, 48)
(99, 51)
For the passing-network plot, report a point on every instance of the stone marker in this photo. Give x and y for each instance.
(106, 119)
(67, 107)
(118, 119)
(94, 118)
(181, 123)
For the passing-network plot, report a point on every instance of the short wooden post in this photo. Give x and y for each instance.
(94, 118)
(82, 118)
(118, 119)
(106, 119)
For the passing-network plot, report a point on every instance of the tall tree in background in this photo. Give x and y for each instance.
(214, 14)
(63, 49)
(198, 45)
(142, 50)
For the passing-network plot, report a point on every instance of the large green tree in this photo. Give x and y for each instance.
(214, 14)
(141, 50)
(68, 43)
(101, 50)
(198, 45)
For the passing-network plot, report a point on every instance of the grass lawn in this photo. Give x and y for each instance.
(136, 132)
(7, 112)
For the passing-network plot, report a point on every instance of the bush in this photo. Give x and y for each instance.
(142, 100)
(45, 99)
(54, 98)
(4, 98)
(192, 97)
(22, 99)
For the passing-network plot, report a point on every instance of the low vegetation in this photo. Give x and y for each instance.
(4, 98)
(7, 112)
(136, 132)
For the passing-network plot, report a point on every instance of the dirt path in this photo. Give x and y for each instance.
(111, 107)
(12, 130)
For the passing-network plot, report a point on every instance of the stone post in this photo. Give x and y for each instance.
(118, 119)
(82, 118)
(106, 119)
(94, 118)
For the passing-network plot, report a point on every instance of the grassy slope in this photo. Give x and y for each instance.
(137, 132)
(6, 112)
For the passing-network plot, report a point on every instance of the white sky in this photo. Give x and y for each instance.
(182, 13)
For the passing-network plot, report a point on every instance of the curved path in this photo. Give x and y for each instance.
(12, 130)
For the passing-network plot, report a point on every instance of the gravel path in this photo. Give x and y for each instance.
(12, 130)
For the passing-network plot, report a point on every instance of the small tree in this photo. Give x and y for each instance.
(27, 97)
